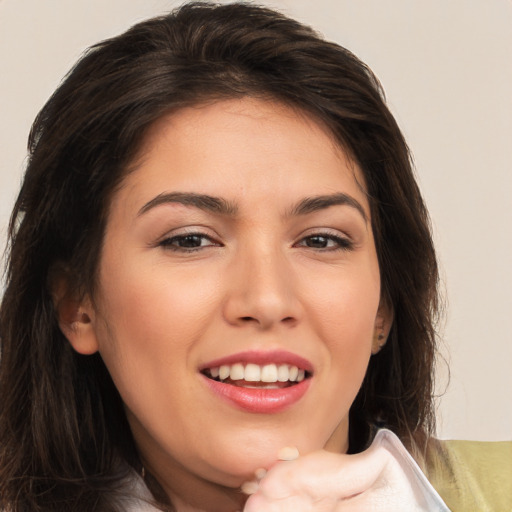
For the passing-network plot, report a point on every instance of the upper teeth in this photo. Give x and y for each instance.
(255, 373)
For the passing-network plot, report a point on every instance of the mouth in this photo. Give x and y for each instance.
(259, 382)
(255, 376)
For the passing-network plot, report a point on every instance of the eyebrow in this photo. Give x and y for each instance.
(316, 203)
(201, 201)
(223, 207)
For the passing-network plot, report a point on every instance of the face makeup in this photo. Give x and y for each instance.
(239, 293)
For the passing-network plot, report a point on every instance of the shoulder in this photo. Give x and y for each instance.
(471, 475)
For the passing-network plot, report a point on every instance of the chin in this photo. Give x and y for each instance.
(240, 457)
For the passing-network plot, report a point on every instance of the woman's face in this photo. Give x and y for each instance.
(241, 244)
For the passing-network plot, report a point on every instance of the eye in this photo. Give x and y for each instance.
(188, 242)
(326, 241)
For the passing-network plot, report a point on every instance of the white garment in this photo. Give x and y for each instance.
(403, 480)
(404, 476)
(137, 487)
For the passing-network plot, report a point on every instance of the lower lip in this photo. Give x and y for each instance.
(263, 401)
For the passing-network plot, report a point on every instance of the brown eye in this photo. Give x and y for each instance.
(326, 242)
(188, 242)
(317, 242)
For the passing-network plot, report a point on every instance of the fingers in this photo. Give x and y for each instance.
(320, 481)
(322, 474)
(287, 453)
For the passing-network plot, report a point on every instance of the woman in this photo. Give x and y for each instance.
(219, 251)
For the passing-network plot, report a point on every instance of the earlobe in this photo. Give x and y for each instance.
(379, 340)
(78, 328)
(75, 318)
(383, 322)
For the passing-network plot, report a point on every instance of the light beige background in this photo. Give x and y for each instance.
(446, 66)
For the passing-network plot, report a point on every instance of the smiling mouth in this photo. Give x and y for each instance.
(250, 375)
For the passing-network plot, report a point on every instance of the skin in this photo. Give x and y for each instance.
(259, 280)
(376, 479)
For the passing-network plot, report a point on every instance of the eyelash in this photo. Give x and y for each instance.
(172, 243)
(341, 243)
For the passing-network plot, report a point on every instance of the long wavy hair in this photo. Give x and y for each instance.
(63, 430)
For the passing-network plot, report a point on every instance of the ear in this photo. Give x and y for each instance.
(75, 316)
(383, 323)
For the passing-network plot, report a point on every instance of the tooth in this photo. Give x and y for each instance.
(237, 372)
(269, 385)
(283, 373)
(269, 373)
(252, 372)
(224, 371)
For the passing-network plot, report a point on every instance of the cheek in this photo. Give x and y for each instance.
(344, 313)
(155, 306)
(150, 319)
(346, 308)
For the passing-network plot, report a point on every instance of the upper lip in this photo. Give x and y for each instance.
(261, 358)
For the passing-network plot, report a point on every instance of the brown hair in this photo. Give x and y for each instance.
(62, 425)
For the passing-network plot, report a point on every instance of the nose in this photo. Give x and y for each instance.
(262, 291)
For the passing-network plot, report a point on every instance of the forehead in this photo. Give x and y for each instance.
(262, 145)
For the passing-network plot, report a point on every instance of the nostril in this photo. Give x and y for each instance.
(287, 319)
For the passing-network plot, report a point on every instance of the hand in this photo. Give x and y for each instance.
(373, 480)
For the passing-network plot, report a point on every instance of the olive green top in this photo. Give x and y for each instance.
(472, 476)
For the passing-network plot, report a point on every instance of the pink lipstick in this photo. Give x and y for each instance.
(259, 382)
